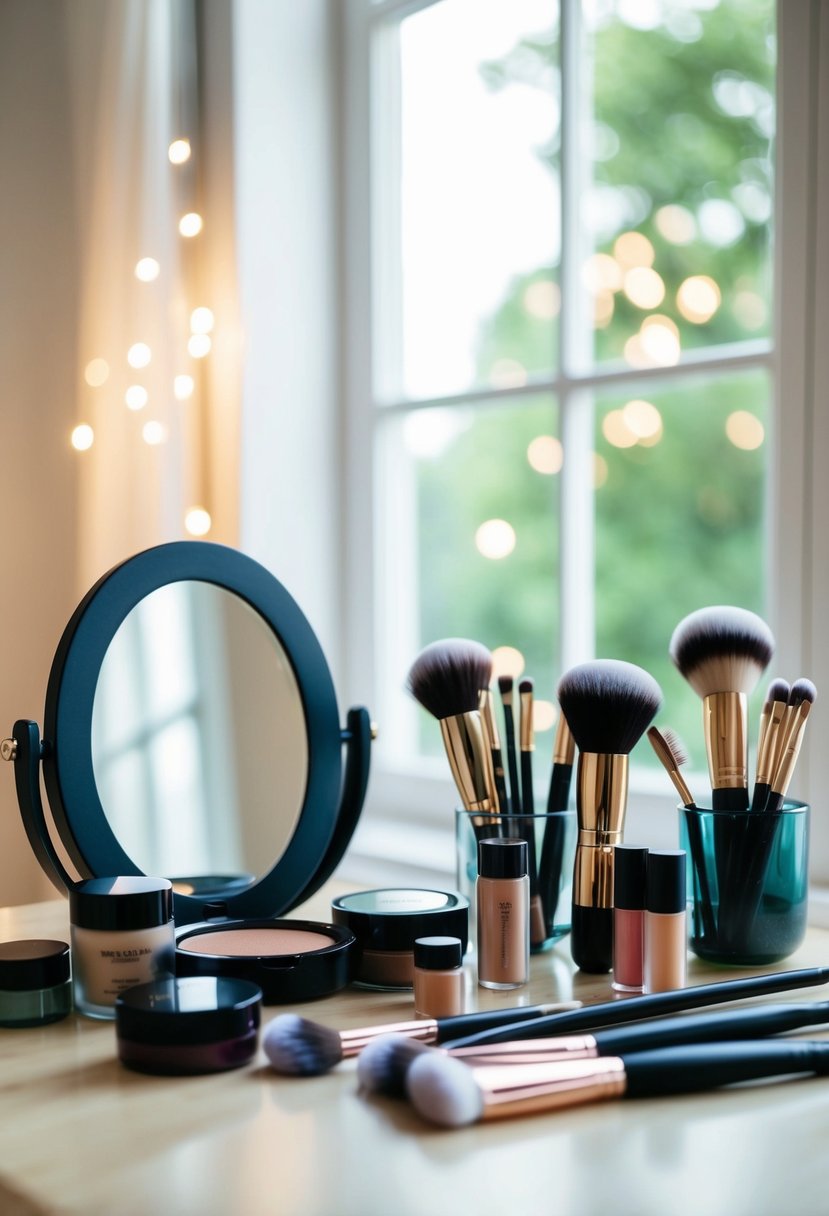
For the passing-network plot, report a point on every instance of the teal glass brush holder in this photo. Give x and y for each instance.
(554, 844)
(748, 882)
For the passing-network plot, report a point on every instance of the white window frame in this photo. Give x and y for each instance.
(407, 828)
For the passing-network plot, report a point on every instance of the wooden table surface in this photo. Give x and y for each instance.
(81, 1134)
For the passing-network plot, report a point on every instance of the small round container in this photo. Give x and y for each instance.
(388, 922)
(122, 935)
(290, 960)
(438, 977)
(35, 987)
(187, 1026)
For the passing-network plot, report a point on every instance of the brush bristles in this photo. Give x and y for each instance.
(447, 677)
(383, 1063)
(675, 746)
(802, 690)
(778, 690)
(608, 705)
(444, 1090)
(298, 1047)
(525, 686)
(722, 649)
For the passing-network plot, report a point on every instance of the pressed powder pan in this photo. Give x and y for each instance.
(290, 960)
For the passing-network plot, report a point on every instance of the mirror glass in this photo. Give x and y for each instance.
(199, 742)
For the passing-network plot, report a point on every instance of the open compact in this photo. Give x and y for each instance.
(191, 732)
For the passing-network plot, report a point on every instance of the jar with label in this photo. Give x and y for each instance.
(122, 935)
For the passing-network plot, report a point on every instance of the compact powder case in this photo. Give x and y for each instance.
(387, 922)
(290, 960)
(188, 1026)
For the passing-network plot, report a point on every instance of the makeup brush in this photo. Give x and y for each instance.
(487, 708)
(555, 829)
(446, 679)
(505, 688)
(651, 1005)
(806, 693)
(672, 755)
(772, 716)
(450, 1093)
(383, 1065)
(722, 653)
(525, 828)
(297, 1046)
(608, 704)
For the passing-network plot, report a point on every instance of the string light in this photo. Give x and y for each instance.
(201, 321)
(154, 433)
(96, 372)
(139, 355)
(136, 397)
(183, 387)
(199, 345)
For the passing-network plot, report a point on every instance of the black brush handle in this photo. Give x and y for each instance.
(500, 780)
(652, 1005)
(775, 803)
(591, 939)
(488, 1019)
(730, 799)
(760, 796)
(514, 797)
(754, 1023)
(558, 798)
(698, 1066)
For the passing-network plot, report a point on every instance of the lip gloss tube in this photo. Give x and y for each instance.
(665, 929)
(629, 871)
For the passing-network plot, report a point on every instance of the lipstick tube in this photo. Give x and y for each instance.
(601, 802)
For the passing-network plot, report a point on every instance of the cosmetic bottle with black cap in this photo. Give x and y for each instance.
(665, 928)
(503, 898)
(629, 878)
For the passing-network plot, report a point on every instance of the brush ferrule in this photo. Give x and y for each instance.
(486, 707)
(470, 759)
(424, 1030)
(526, 742)
(564, 747)
(771, 735)
(788, 760)
(725, 726)
(601, 797)
(530, 1051)
(520, 1089)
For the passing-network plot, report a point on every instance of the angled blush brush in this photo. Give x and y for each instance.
(505, 688)
(446, 679)
(722, 653)
(609, 704)
(772, 717)
(449, 1093)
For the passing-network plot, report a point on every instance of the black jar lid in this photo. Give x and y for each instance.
(503, 858)
(438, 953)
(26, 966)
(129, 901)
(666, 881)
(630, 863)
(393, 918)
(188, 1012)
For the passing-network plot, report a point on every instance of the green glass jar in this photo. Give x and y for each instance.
(35, 986)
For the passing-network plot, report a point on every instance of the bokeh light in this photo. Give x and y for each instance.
(96, 372)
(507, 661)
(545, 454)
(495, 539)
(745, 430)
(82, 437)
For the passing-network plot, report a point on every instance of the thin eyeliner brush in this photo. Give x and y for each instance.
(505, 687)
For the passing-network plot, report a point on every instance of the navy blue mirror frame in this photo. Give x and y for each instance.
(67, 737)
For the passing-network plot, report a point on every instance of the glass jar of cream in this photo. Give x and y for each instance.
(122, 935)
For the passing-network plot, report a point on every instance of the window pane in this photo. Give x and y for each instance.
(469, 199)
(681, 475)
(471, 546)
(680, 203)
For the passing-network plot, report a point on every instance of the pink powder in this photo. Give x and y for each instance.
(255, 943)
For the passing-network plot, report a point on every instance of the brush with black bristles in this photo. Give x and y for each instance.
(672, 755)
(801, 699)
(505, 688)
(722, 652)
(449, 1093)
(446, 679)
(382, 1066)
(608, 704)
(772, 716)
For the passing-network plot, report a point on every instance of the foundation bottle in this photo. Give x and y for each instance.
(665, 928)
(503, 899)
(438, 977)
(122, 935)
(629, 870)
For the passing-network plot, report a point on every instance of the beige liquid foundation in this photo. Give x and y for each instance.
(666, 943)
(503, 898)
